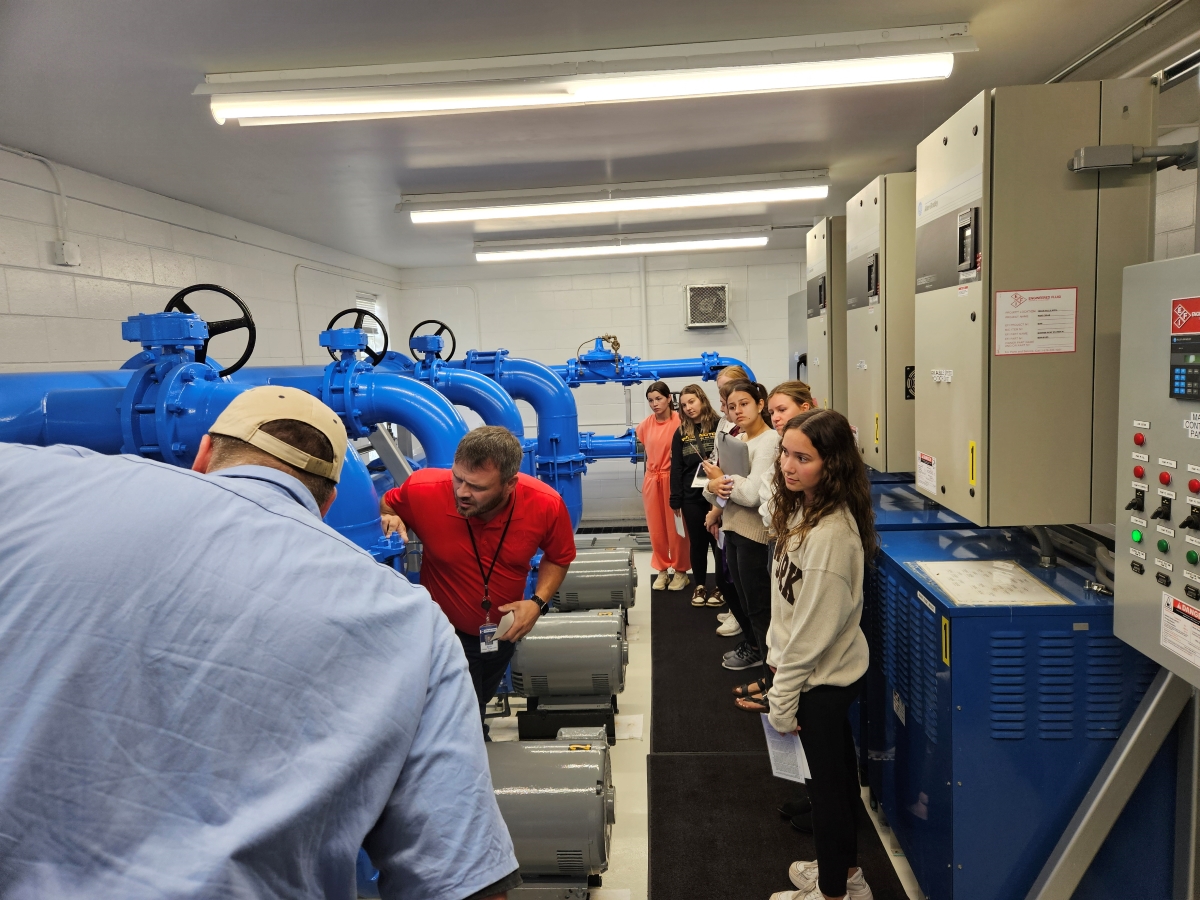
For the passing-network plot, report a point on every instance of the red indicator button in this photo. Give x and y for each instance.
(1139, 472)
(1194, 486)
(1164, 477)
(1139, 439)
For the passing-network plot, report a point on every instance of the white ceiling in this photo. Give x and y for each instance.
(105, 86)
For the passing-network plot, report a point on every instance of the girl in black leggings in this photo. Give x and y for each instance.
(824, 526)
(692, 444)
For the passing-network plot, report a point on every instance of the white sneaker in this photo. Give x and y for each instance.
(804, 876)
(660, 583)
(729, 627)
(724, 616)
(679, 581)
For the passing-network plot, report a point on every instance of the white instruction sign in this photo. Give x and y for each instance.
(927, 472)
(787, 754)
(1181, 628)
(980, 582)
(1041, 321)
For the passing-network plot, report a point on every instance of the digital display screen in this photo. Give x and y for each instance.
(1185, 366)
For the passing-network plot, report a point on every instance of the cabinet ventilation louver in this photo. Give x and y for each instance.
(707, 305)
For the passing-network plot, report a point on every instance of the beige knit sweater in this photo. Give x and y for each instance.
(741, 514)
(816, 605)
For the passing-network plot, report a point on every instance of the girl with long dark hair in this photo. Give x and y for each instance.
(691, 446)
(745, 533)
(824, 529)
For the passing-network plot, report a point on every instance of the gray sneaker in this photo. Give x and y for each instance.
(804, 876)
(745, 657)
(730, 654)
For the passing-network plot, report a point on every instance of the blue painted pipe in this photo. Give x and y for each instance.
(559, 461)
(24, 397)
(602, 446)
(601, 366)
(386, 397)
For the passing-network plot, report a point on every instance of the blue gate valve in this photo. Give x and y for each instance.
(152, 404)
(340, 385)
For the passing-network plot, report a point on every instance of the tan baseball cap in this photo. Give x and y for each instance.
(254, 408)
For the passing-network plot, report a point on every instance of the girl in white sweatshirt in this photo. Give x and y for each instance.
(821, 514)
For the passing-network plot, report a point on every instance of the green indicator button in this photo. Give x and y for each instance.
(1192, 558)
(1163, 546)
(1137, 536)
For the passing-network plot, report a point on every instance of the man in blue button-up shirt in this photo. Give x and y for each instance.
(205, 692)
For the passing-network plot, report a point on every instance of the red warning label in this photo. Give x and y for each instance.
(1185, 316)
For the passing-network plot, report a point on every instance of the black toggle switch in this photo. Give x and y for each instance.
(1192, 520)
(1164, 510)
(1138, 503)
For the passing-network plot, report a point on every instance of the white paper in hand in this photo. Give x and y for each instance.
(679, 529)
(503, 625)
(787, 754)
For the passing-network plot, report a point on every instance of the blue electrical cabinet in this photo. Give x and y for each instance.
(999, 717)
(897, 506)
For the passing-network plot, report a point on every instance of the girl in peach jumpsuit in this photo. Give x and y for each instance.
(671, 550)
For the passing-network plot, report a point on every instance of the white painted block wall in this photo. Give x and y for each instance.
(138, 249)
(544, 311)
(1175, 205)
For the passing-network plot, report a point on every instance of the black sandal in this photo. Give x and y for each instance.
(743, 690)
(753, 704)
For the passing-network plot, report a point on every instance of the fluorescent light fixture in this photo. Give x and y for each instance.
(685, 194)
(618, 245)
(570, 79)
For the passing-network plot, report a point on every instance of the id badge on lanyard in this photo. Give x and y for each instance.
(487, 631)
(487, 638)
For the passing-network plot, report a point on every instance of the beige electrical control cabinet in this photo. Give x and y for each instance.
(1018, 299)
(879, 321)
(826, 277)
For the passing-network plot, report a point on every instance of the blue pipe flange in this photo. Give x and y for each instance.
(152, 404)
(388, 549)
(340, 385)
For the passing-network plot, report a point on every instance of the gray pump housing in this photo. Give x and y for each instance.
(599, 578)
(558, 801)
(575, 654)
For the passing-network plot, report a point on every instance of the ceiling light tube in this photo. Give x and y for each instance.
(621, 205)
(714, 69)
(630, 249)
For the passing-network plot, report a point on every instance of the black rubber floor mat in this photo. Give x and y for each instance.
(715, 833)
(691, 694)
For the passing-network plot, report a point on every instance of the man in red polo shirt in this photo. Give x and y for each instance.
(480, 525)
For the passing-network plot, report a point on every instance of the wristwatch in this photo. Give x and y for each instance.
(543, 605)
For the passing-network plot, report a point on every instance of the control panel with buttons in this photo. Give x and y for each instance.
(1158, 432)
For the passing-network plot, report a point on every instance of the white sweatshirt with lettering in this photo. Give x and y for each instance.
(816, 606)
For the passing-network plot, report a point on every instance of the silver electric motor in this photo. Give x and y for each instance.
(578, 654)
(600, 578)
(558, 801)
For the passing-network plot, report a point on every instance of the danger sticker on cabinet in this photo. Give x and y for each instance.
(927, 472)
(1039, 321)
(1180, 632)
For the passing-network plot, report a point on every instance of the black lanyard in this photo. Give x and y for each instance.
(487, 577)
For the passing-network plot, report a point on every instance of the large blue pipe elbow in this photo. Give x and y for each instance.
(430, 417)
(559, 462)
(385, 398)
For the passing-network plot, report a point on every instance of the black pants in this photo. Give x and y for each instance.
(700, 539)
(833, 790)
(487, 669)
(749, 569)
